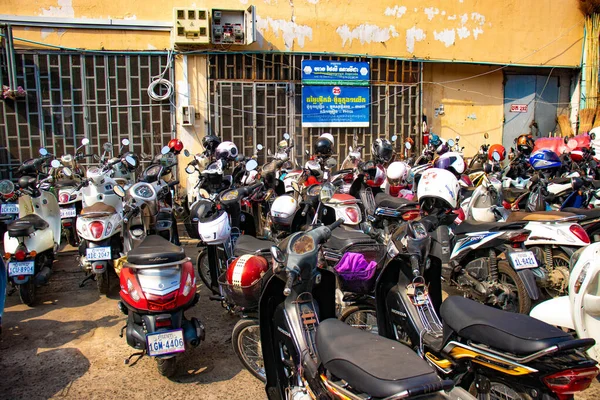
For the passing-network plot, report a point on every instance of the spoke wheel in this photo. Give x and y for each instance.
(246, 345)
(362, 317)
(203, 265)
(514, 297)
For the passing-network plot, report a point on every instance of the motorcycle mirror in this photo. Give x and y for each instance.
(54, 163)
(277, 255)
(394, 138)
(43, 152)
(259, 147)
(186, 153)
(307, 152)
(190, 169)
(407, 145)
(107, 146)
(165, 150)
(286, 136)
(67, 171)
(251, 165)
(269, 152)
(119, 191)
(331, 163)
(327, 191)
(131, 161)
(125, 142)
(572, 144)
(496, 156)
(450, 142)
(85, 141)
(96, 157)
(486, 135)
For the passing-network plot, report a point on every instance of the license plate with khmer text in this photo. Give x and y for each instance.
(68, 212)
(163, 343)
(21, 268)
(523, 260)
(98, 253)
(9, 208)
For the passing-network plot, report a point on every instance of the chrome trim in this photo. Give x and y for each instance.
(531, 357)
(487, 352)
(135, 266)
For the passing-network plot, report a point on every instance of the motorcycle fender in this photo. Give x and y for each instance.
(556, 311)
(23, 281)
(99, 267)
(528, 279)
(569, 250)
(401, 312)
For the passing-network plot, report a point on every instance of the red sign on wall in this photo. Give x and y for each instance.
(519, 108)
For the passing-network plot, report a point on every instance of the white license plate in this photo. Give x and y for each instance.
(523, 260)
(21, 268)
(164, 343)
(98, 253)
(68, 212)
(9, 208)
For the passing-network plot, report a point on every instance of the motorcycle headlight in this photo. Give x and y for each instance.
(575, 258)
(581, 277)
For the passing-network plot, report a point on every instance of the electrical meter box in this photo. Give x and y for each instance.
(190, 26)
(233, 26)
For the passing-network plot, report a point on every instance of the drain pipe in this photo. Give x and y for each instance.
(10, 56)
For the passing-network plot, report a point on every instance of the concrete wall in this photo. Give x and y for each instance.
(535, 32)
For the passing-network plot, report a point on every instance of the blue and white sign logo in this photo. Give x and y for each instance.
(346, 73)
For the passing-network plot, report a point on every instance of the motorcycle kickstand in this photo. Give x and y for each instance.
(87, 278)
(122, 329)
(139, 355)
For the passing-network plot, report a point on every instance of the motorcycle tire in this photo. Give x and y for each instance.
(506, 274)
(499, 391)
(102, 281)
(246, 334)
(360, 316)
(204, 271)
(72, 237)
(167, 366)
(27, 292)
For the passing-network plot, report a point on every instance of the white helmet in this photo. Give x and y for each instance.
(283, 210)
(250, 177)
(214, 229)
(397, 173)
(226, 150)
(438, 188)
(451, 161)
(328, 136)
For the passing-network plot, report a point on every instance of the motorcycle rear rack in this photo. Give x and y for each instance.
(172, 264)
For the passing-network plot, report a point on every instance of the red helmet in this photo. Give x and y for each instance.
(176, 145)
(375, 174)
(246, 270)
(498, 148)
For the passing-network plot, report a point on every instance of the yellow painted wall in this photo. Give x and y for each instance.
(472, 107)
(524, 32)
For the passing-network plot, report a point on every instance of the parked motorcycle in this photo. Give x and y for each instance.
(158, 285)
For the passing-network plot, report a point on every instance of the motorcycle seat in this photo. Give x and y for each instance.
(342, 238)
(518, 334)
(155, 249)
(66, 183)
(26, 226)
(592, 213)
(472, 226)
(385, 200)
(98, 210)
(512, 194)
(538, 216)
(247, 244)
(372, 364)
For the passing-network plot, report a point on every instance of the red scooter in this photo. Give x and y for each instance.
(158, 284)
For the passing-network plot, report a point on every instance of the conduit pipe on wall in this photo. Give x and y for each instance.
(85, 23)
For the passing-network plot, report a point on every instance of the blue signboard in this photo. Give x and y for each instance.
(335, 106)
(319, 72)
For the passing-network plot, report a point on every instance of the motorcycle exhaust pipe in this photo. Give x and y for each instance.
(193, 332)
(43, 276)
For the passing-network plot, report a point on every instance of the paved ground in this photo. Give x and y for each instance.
(68, 346)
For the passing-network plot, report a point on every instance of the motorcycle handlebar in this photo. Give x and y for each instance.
(305, 210)
(174, 183)
(291, 276)
(336, 224)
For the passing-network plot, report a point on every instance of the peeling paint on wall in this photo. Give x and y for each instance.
(413, 35)
(313, 1)
(463, 32)
(244, 1)
(447, 36)
(396, 11)
(464, 18)
(45, 32)
(451, 17)
(476, 32)
(366, 33)
(478, 18)
(431, 12)
(64, 10)
(290, 31)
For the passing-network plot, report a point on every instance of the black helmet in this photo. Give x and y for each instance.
(382, 150)
(210, 143)
(525, 144)
(324, 146)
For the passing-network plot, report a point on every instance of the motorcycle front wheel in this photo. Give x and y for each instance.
(246, 345)
(516, 300)
(166, 366)
(27, 292)
(361, 316)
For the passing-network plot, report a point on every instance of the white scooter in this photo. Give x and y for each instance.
(31, 242)
(100, 222)
(580, 310)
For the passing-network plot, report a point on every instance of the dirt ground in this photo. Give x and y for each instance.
(68, 346)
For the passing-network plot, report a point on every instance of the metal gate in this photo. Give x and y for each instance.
(74, 95)
(257, 98)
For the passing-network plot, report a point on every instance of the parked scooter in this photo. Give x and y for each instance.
(579, 310)
(158, 285)
(310, 354)
(31, 242)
